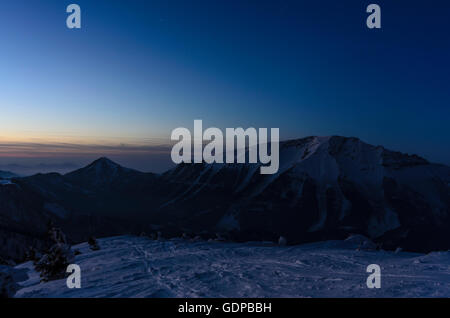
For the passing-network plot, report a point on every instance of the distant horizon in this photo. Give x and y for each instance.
(157, 157)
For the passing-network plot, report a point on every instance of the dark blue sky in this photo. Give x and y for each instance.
(138, 69)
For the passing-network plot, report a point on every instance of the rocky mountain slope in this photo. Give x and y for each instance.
(326, 188)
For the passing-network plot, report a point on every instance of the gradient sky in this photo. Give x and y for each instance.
(138, 69)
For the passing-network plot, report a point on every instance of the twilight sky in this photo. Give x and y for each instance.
(138, 69)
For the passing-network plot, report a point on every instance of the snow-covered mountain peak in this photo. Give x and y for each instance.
(323, 184)
(349, 148)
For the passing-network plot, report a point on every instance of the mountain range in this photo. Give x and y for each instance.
(326, 188)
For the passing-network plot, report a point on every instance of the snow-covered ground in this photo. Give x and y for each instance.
(129, 266)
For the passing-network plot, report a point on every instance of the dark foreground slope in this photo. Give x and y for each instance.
(23, 222)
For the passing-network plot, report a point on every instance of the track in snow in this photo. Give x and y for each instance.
(138, 267)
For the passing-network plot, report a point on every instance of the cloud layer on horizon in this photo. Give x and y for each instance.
(27, 158)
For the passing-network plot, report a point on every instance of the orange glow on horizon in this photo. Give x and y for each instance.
(25, 146)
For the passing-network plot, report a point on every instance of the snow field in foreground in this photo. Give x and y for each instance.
(129, 266)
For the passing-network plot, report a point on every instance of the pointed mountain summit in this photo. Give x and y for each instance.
(104, 165)
(101, 172)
